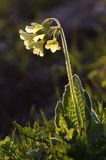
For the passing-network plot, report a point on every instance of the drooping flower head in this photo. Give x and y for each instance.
(37, 36)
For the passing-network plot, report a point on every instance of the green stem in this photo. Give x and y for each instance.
(55, 20)
(67, 59)
(68, 65)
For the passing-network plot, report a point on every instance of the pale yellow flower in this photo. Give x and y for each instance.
(30, 41)
(33, 28)
(38, 48)
(33, 39)
(25, 36)
(53, 45)
(29, 44)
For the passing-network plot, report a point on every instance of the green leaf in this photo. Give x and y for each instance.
(27, 131)
(69, 108)
(94, 116)
(80, 100)
(104, 116)
(60, 121)
(70, 133)
(75, 111)
(90, 113)
(104, 120)
(5, 144)
(88, 105)
(37, 134)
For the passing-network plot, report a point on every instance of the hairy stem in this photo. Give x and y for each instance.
(67, 59)
(68, 67)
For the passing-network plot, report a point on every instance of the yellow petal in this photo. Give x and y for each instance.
(29, 44)
(36, 38)
(38, 52)
(38, 48)
(34, 28)
(24, 35)
(26, 44)
(34, 24)
(53, 45)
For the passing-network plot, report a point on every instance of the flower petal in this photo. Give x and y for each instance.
(38, 48)
(36, 38)
(24, 35)
(53, 45)
(29, 44)
(34, 24)
(38, 51)
(33, 28)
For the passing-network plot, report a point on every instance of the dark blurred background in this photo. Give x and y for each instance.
(29, 83)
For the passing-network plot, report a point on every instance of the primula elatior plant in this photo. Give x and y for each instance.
(79, 133)
(74, 106)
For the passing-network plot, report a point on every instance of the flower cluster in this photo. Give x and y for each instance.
(38, 36)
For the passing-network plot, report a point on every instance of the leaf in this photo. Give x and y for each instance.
(69, 108)
(5, 144)
(90, 113)
(94, 116)
(104, 116)
(75, 111)
(88, 105)
(37, 134)
(80, 100)
(70, 133)
(104, 120)
(60, 121)
(27, 131)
